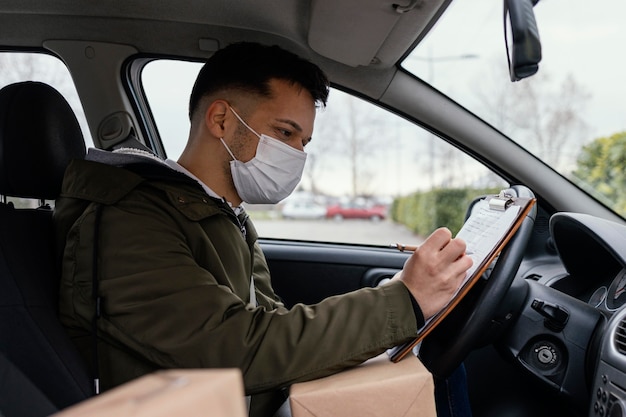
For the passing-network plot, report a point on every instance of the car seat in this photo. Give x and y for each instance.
(39, 135)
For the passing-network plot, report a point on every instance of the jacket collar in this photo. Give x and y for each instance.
(105, 177)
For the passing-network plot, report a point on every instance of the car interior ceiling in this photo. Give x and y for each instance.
(389, 31)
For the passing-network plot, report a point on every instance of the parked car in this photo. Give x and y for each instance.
(356, 211)
(422, 106)
(303, 209)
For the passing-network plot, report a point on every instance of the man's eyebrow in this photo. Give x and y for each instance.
(295, 126)
(292, 123)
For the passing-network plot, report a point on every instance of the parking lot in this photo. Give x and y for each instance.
(382, 232)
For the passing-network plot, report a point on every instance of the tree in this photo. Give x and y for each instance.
(349, 134)
(16, 67)
(543, 115)
(601, 167)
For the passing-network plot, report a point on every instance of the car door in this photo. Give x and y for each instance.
(307, 272)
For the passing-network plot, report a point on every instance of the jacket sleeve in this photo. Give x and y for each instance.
(164, 305)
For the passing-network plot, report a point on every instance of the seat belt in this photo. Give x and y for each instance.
(95, 293)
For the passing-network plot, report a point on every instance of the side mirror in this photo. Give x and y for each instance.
(521, 37)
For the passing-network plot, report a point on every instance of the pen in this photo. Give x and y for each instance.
(412, 248)
(404, 248)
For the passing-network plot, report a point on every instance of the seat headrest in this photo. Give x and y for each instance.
(39, 135)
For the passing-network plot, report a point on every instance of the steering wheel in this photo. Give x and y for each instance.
(445, 348)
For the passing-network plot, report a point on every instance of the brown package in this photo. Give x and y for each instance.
(189, 393)
(375, 388)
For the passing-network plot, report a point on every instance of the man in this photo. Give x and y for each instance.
(161, 262)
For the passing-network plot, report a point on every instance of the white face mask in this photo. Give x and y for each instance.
(271, 175)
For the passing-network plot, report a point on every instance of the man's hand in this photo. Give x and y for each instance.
(435, 271)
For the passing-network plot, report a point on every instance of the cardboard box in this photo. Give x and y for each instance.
(188, 393)
(375, 388)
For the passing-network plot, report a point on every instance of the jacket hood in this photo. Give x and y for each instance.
(105, 177)
(123, 156)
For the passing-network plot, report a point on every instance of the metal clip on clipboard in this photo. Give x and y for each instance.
(501, 202)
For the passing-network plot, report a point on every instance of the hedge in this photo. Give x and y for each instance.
(423, 212)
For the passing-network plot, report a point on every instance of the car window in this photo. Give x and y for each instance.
(30, 66)
(355, 188)
(570, 113)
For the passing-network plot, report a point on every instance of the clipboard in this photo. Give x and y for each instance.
(492, 224)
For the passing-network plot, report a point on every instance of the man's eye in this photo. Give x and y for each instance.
(286, 133)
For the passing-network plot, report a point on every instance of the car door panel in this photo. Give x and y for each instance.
(309, 272)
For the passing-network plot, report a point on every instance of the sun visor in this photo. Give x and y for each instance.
(362, 32)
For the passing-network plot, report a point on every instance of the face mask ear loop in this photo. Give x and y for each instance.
(228, 150)
(244, 123)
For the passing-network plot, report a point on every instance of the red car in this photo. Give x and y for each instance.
(356, 211)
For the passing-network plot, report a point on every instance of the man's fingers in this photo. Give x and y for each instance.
(454, 249)
(438, 239)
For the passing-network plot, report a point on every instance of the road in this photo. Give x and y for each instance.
(382, 232)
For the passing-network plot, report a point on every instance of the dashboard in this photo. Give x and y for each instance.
(570, 329)
(593, 256)
(593, 271)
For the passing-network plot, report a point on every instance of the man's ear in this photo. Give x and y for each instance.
(215, 118)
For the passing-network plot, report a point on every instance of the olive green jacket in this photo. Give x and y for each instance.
(173, 271)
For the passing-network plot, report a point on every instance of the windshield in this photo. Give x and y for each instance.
(571, 113)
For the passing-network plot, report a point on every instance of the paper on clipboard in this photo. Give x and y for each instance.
(494, 220)
(483, 231)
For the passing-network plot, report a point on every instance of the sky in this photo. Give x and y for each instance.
(582, 38)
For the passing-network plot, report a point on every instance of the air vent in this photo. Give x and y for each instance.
(620, 337)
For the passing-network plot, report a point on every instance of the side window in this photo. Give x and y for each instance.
(30, 66)
(371, 177)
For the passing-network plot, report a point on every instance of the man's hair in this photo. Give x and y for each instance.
(249, 67)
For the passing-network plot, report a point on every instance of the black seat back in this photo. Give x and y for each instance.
(39, 135)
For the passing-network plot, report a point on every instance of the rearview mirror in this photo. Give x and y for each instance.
(521, 37)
